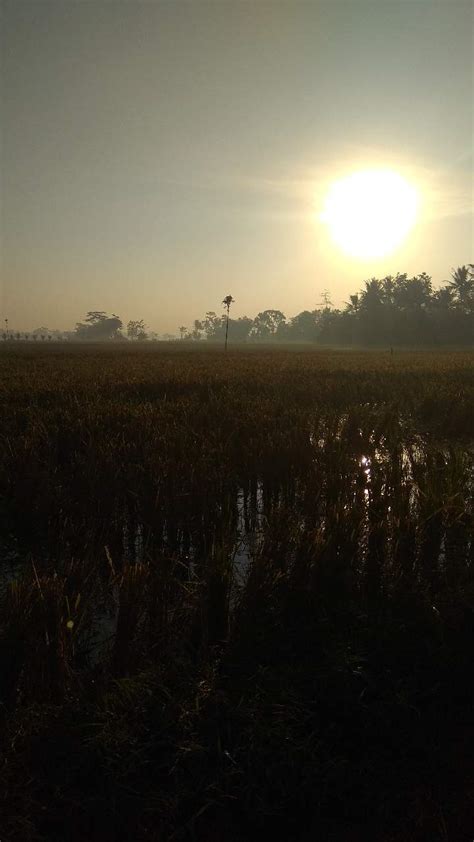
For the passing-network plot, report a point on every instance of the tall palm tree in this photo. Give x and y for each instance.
(462, 286)
(352, 306)
(371, 296)
(228, 300)
(182, 331)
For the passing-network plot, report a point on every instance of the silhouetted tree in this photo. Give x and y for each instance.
(240, 328)
(228, 300)
(303, 327)
(214, 326)
(95, 316)
(442, 298)
(371, 296)
(98, 327)
(462, 287)
(394, 310)
(266, 324)
(197, 330)
(353, 304)
(136, 330)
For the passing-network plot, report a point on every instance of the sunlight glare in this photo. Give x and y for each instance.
(370, 213)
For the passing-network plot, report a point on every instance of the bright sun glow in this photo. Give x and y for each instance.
(370, 213)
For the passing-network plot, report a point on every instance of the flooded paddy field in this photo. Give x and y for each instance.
(237, 593)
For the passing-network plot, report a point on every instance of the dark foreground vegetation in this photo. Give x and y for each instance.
(237, 595)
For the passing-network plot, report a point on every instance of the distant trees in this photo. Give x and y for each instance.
(402, 310)
(396, 309)
(196, 332)
(303, 327)
(240, 328)
(214, 326)
(98, 326)
(137, 330)
(353, 304)
(41, 333)
(267, 325)
(461, 287)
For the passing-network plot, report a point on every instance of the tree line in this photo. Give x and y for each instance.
(98, 326)
(394, 310)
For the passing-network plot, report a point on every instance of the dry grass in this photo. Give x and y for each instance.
(237, 594)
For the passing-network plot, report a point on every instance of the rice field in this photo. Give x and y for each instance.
(236, 594)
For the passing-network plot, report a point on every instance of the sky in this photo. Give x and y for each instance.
(157, 156)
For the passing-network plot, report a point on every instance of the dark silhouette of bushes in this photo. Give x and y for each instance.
(395, 310)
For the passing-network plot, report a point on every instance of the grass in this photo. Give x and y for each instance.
(237, 594)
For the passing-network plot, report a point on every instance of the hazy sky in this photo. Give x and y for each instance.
(159, 155)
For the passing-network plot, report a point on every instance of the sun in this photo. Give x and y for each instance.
(370, 213)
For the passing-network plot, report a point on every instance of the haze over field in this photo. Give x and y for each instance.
(156, 156)
(236, 570)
